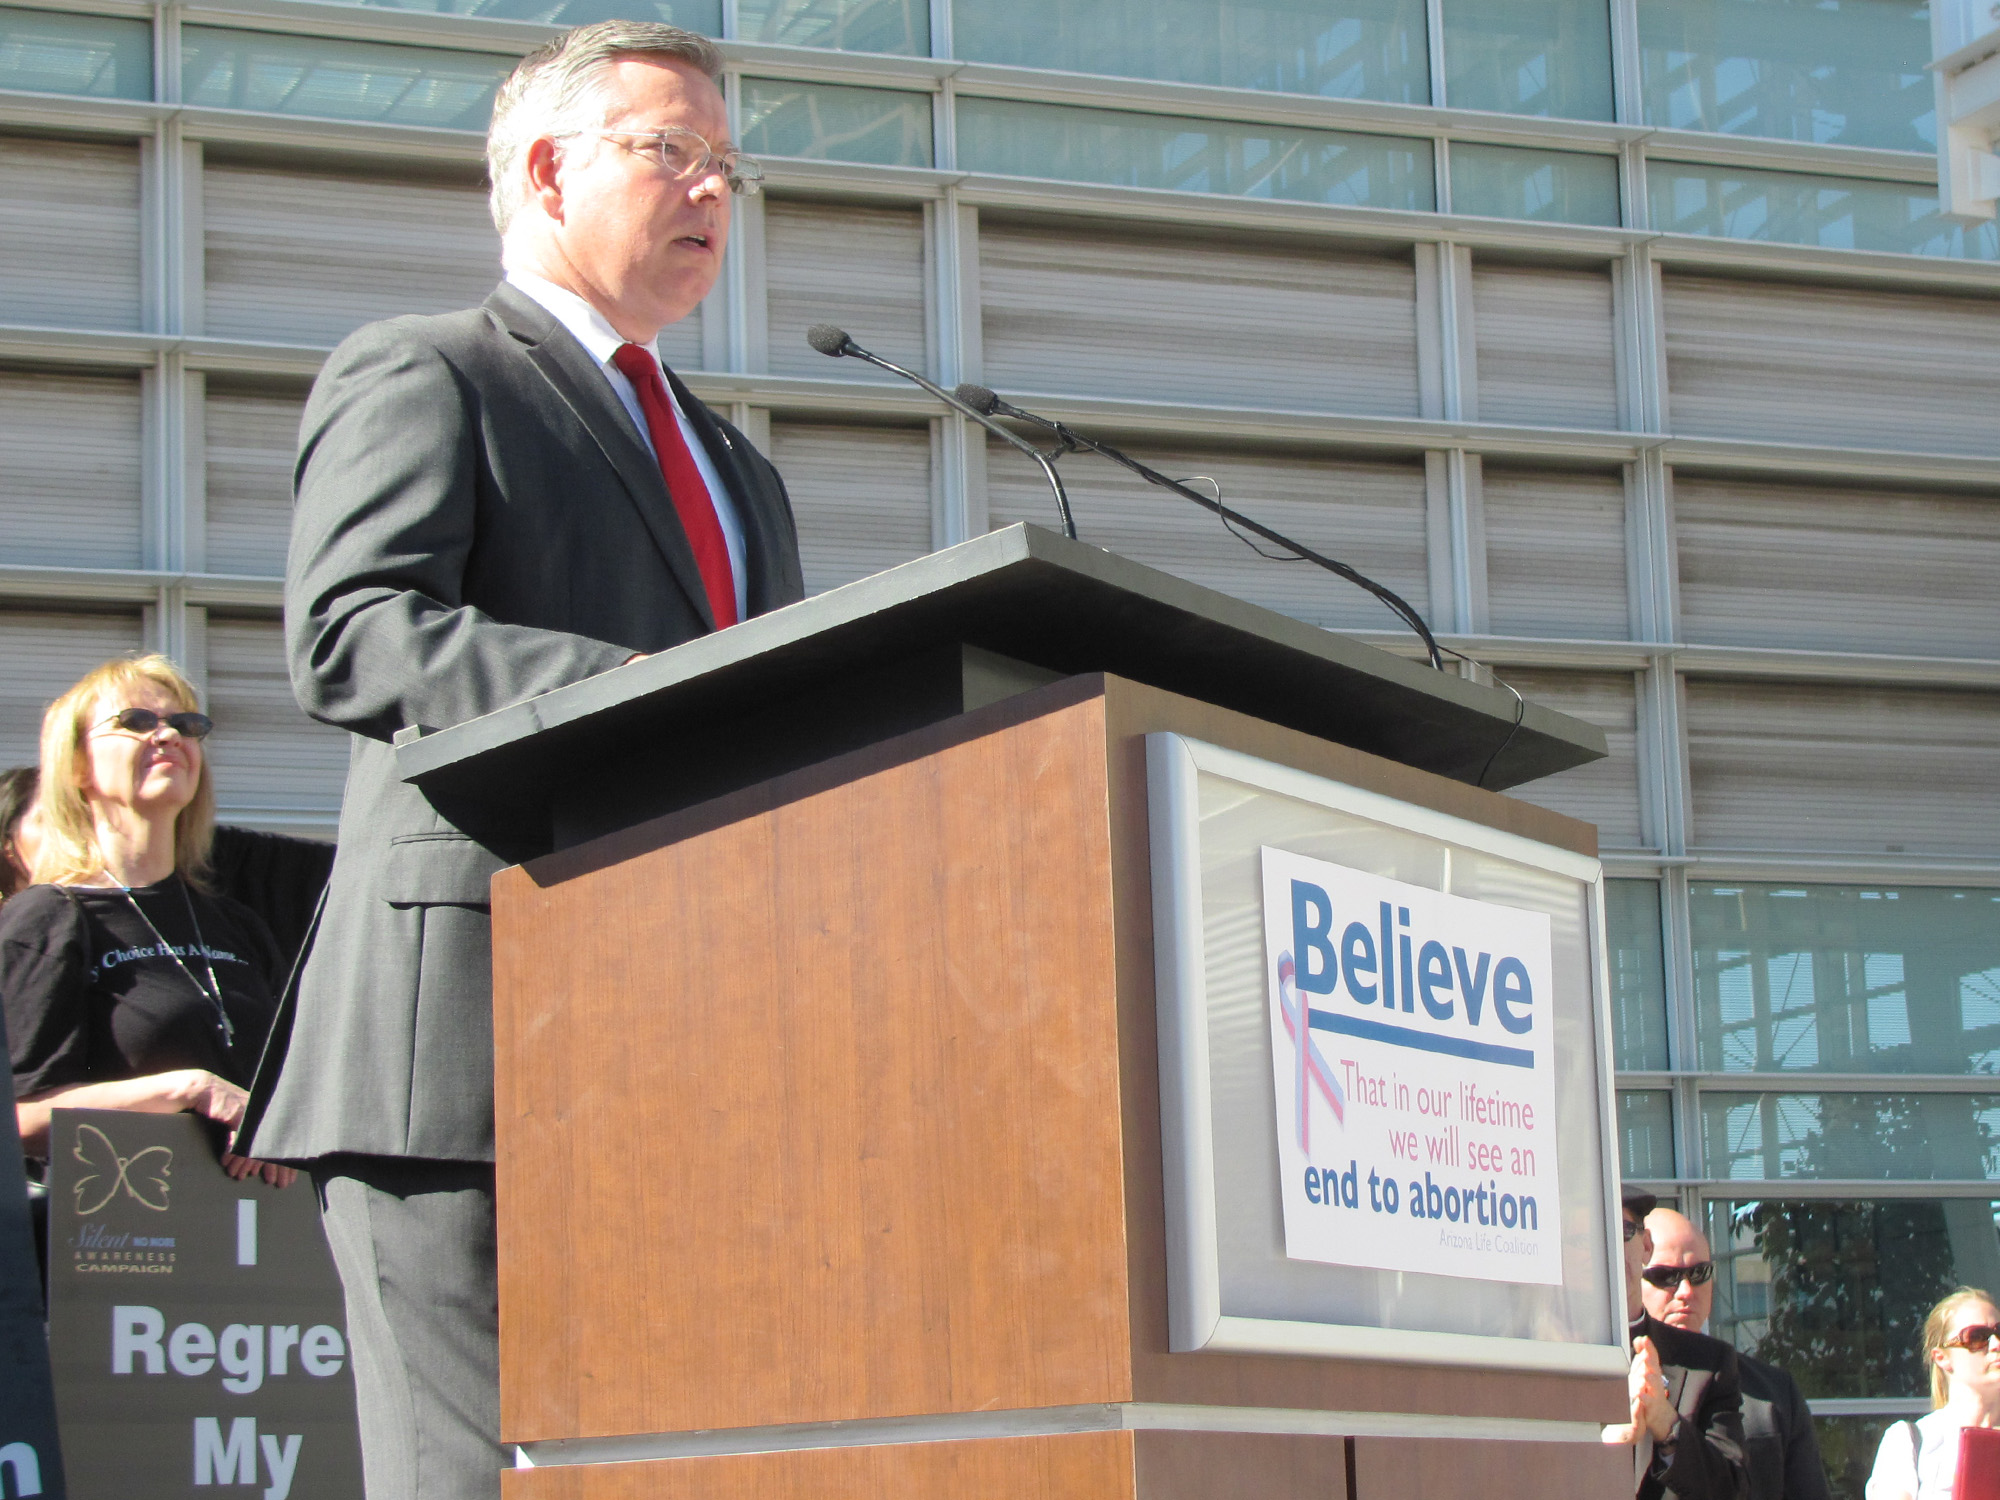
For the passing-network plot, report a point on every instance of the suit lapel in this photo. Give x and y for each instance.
(583, 388)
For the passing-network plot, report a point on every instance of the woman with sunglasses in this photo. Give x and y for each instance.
(127, 983)
(1919, 1460)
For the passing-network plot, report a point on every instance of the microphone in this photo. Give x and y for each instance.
(984, 401)
(835, 344)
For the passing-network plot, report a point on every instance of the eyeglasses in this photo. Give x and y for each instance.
(1978, 1337)
(189, 726)
(682, 154)
(1666, 1278)
(1631, 1230)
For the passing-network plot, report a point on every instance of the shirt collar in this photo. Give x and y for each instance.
(585, 323)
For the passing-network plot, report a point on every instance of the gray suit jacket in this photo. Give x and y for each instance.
(477, 522)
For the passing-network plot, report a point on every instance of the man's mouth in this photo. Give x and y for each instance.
(699, 241)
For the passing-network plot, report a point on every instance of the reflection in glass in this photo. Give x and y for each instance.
(1529, 57)
(1845, 71)
(1846, 979)
(1851, 1135)
(1847, 1450)
(51, 52)
(1840, 213)
(339, 80)
(704, 16)
(1366, 49)
(1153, 151)
(1836, 1292)
(1645, 1134)
(1638, 976)
(899, 26)
(1517, 182)
(831, 122)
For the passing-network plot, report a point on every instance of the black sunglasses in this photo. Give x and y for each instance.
(1977, 1337)
(1666, 1278)
(189, 726)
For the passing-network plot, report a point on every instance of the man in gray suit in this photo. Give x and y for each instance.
(1780, 1449)
(492, 504)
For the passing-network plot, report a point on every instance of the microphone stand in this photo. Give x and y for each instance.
(834, 343)
(985, 401)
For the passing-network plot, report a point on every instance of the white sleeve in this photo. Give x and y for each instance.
(1895, 1473)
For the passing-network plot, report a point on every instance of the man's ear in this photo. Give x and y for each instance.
(544, 168)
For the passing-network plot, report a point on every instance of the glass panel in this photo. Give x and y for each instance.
(1851, 1135)
(1846, 979)
(1850, 71)
(827, 122)
(900, 26)
(1529, 57)
(1638, 976)
(1513, 182)
(1847, 1448)
(1836, 1293)
(704, 16)
(1153, 151)
(1364, 49)
(1646, 1134)
(1840, 213)
(339, 80)
(53, 53)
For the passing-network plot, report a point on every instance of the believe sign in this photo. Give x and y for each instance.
(1412, 1051)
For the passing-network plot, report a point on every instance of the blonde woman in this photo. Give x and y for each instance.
(1919, 1460)
(127, 983)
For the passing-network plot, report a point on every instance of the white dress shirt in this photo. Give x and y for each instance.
(600, 340)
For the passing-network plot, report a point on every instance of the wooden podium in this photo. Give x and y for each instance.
(828, 1087)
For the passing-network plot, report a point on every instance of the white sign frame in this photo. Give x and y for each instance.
(1197, 1319)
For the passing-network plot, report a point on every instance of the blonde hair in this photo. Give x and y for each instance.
(69, 852)
(558, 88)
(1937, 1328)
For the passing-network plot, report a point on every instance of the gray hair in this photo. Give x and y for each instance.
(559, 87)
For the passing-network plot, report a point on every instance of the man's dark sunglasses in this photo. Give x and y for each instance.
(1666, 1278)
(1978, 1337)
(189, 726)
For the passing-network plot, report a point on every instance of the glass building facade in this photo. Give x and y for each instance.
(1622, 336)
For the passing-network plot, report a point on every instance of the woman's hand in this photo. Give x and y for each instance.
(203, 1093)
(244, 1167)
(190, 1090)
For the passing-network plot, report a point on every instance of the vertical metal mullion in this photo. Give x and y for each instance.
(1434, 28)
(941, 35)
(1627, 93)
(958, 450)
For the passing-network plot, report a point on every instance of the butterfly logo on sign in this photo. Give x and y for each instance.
(142, 1175)
(1313, 1072)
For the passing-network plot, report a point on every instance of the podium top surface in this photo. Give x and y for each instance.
(1027, 594)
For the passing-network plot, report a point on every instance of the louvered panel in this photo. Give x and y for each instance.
(1845, 366)
(272, 763)
(1852, 768)
(69, 470)
(1555, 553)
(862, 496)
(1546, 351)
(1605, 792)
(1819, 567)
(859, 268)
(308, 257)
(69, 238)
(45, 653)
(1368, 515)
(252, 441)
(1199, 320)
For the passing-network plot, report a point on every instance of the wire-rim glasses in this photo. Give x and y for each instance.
(682, 154)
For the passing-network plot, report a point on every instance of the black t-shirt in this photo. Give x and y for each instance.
(91, 996)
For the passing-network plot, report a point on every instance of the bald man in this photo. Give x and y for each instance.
(1679, 1290)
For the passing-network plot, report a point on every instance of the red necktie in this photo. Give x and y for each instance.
(692, 502)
